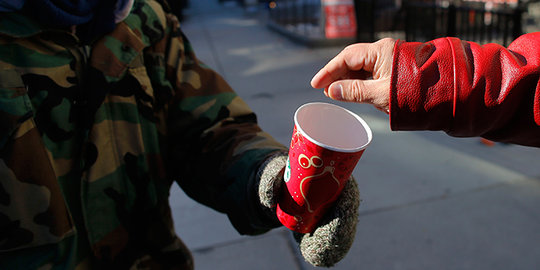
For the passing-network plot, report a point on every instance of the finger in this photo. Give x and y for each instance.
(353, 58)
(271, 178)
(375, 92)
(333, 238)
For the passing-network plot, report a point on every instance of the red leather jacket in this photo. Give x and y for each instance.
(467, 89)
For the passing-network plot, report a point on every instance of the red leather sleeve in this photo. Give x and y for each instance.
(467, 89)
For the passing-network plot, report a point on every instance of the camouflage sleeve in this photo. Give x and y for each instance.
(215, 144)
(15, 103)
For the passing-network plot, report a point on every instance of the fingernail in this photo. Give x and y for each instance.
(336, 91)
(315, 78)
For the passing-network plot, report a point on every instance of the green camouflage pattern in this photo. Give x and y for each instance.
(93, 137)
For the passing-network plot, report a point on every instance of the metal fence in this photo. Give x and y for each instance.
(298, 18)
(467, 20)
(413, 20)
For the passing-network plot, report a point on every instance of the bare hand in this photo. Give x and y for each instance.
(360, 73)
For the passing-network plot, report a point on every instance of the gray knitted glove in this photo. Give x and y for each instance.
(334, 235)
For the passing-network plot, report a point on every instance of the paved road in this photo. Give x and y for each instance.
(429, 201)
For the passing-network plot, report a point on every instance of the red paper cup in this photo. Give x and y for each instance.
(326, 145)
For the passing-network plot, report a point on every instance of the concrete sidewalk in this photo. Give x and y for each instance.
(429, 201)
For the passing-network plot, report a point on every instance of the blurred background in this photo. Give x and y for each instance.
(430, 201)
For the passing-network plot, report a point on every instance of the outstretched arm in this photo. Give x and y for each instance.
(460, 87)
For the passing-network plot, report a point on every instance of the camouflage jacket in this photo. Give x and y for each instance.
(93, 137)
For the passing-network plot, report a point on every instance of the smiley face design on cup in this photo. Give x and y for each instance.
(321, 186)
(326, 144)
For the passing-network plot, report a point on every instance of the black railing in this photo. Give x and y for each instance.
(471, 21)
(414, 20)
(365, 19)
(298, 18)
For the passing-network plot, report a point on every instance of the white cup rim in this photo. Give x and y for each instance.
(363, 123)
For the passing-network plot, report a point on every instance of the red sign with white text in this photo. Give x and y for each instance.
(340, 19)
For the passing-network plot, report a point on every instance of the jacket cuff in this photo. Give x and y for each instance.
(422, 85)
(251, 216)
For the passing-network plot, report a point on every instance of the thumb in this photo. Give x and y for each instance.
(375, 92)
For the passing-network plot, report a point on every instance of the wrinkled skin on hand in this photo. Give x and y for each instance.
(359, 73)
